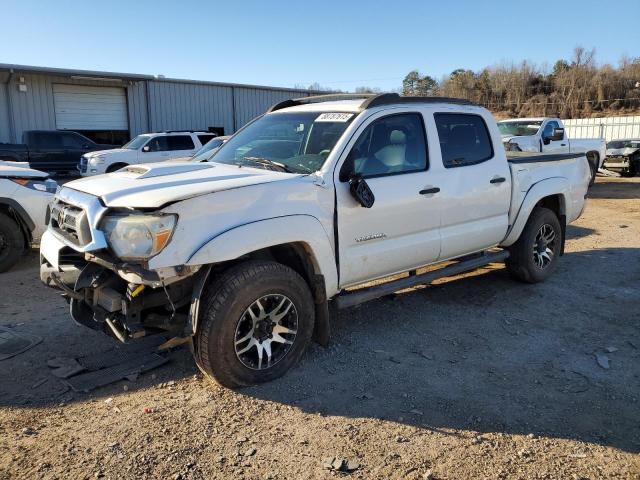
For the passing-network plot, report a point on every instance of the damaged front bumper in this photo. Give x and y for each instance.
(123, 300)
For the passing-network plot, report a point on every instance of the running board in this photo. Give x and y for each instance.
(349, 299)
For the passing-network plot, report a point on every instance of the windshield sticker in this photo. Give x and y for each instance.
(334, 117)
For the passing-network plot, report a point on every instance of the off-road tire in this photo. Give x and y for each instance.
(115, 166)
(521, 264)
(224, 302)
(594, 161)
(12, 242)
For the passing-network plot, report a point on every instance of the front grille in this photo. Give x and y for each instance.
(83, 165)
(71, 222)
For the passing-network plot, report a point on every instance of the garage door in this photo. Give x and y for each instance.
(90, 108)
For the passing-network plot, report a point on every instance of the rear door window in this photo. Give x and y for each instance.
(464, 139)
(180, 142)
(46, 140)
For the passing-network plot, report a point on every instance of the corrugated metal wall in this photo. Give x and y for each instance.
(5, 126)
(610, 128)
(251, 102)
(153, 105)
(189, 106)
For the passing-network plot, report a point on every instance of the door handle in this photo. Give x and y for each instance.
(428, 191)
(563, 144)
(497, 180)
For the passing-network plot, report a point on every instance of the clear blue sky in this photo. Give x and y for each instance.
(339, 44)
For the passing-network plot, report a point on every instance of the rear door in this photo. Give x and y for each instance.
(476, 191)
(401, 230)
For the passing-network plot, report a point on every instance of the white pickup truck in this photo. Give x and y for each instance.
(547, 135)
(245, 255)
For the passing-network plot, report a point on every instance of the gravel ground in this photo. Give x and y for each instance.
(475, 377)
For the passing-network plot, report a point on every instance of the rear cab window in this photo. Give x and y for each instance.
(464, 139)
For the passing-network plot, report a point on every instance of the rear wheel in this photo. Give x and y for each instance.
(256, 321)
(594, 162)
(534, 257)
(12, 242)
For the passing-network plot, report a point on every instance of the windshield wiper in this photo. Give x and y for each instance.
(267, 162)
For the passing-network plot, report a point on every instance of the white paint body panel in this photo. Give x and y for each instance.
(34, 202)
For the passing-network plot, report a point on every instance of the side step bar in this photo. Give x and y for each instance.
(349, 299)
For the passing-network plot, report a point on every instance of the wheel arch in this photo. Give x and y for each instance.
(14, 210)
(551, 193)
(298, 241)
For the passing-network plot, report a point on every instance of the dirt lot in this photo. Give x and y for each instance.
(479, 377)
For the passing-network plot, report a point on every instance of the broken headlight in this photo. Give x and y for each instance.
(138, 236)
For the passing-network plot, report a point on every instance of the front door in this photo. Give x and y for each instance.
(401, 230)
(553, 146)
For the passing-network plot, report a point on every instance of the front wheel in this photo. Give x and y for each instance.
(256, 321)
(12, 242)
(534, 257)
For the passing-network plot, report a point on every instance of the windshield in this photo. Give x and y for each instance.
(520, 129)
(296, 142)
(206, 151)
(136, 143)
(624, 144)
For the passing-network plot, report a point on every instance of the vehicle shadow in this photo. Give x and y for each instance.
(478, 352)
(487, 354)
(574, 231)
(616, 188)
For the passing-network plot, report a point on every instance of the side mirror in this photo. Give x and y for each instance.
(146, 148)
(361, 192)
(558, 134)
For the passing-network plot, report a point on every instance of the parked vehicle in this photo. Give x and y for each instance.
(245, 255)
(206, 152)
(547, 135)
(623, 156)
(53, 151)
(145, 148)
(24, 196)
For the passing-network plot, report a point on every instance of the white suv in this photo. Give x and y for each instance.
(145, 148)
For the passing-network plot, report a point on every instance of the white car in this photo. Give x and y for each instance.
(298, 213)
(145, 148)
(24, 197)
(207, 151)
(623, 156)
(547, 135)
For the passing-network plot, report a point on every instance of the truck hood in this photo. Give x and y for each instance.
(527, 143)
(621, 151)
(153, 185)
(15, 170)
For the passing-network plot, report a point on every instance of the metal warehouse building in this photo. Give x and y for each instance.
(113, 107)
